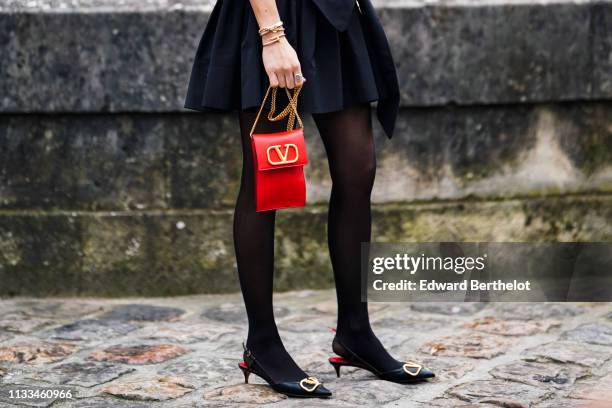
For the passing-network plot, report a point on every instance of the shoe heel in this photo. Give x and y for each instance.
(246, 372)
(336, 362)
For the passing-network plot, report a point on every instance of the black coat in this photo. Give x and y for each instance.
(337, 12)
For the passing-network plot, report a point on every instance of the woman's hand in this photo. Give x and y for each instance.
(279, 57)
(281, 63)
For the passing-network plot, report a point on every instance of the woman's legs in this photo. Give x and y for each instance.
(254, 246)
(347, 136)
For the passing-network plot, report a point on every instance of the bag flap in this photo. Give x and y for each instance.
(279, 150)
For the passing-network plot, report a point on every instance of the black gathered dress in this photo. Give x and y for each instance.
(341, 45)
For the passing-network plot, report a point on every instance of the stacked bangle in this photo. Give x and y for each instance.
(274, 40)
(274, 28)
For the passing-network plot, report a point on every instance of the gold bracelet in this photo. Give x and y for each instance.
(274, 40)
(276, 27)
(274, 30)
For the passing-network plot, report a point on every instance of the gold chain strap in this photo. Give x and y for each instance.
(290, 110)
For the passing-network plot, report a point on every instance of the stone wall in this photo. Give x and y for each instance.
(109, 187)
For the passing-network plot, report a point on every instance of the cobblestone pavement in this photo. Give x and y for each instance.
(184, 351)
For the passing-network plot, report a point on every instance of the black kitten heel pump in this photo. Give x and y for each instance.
(410, 372)
(308, 387)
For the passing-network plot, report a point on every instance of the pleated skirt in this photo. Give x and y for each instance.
(342, 68)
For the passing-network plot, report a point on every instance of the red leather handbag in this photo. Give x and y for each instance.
(279, 158)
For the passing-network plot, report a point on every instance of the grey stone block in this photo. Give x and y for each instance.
(39, 255)
(182, 161)
(491, 53)
(167, 254)
(184, 252)
(73, 161)
(204, 161)
(500, 151)
(90, 62)
(601, 32)
(117, 162)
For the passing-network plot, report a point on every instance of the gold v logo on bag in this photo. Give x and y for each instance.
(282, 158)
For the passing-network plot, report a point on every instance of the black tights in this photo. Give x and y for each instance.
(347, 136)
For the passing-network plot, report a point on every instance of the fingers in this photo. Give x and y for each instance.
(282, 79)
(274, 83)
(282, 82)
(290, 79)
(282, 71)
(286, 79)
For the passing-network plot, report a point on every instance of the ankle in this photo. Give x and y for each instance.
(348, 332)
(262, 340)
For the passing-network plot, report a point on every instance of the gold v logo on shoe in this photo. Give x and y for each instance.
(409, 365)
(312, 381)
(282, 157)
